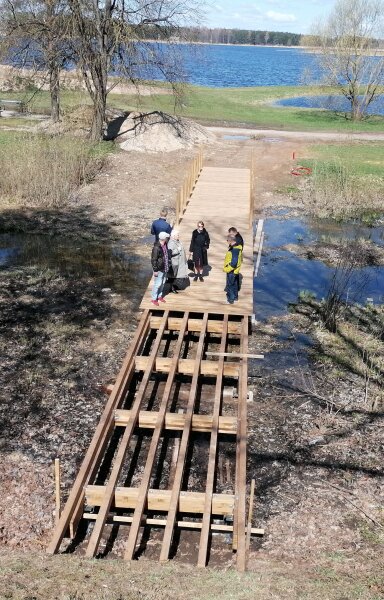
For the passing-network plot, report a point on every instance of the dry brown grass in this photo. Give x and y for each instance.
(41, 171)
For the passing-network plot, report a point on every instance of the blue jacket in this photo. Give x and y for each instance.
(160, 225)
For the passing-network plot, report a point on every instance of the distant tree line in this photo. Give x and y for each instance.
(208, 35)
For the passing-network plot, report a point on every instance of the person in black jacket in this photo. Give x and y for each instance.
(161, 262)
(161, 224)
(198, 250)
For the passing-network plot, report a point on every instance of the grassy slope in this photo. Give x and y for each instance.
(67, 577)
(253, 106)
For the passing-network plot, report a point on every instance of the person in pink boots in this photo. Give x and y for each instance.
(161, 262)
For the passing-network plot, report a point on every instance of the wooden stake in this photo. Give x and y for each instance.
(57, 490)
(250, 513)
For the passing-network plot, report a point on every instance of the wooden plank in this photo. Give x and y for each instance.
(257, 264)
(203, 547)
(123, 447)
(174, 324)
(241, 465)
(234, 355)
(228, 189)
(189, 502)
(93, 453)
(186, 366)
(171, 518)
(160, 421)
(176, 421)
(162, 522)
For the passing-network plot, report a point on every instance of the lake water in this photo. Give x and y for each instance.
(337, 103)
(244, 66)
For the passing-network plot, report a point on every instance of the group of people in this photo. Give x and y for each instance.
(170, 265)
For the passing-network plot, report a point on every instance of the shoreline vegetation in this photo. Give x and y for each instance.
(243, 106)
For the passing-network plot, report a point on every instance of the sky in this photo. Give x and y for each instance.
(295, 16)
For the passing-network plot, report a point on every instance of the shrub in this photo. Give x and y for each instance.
(335, 191)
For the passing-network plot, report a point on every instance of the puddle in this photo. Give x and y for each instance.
(283, 274)
(113, 265)
(272, 140)
(236, 137)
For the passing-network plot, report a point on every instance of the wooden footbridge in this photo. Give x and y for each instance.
(177, 411)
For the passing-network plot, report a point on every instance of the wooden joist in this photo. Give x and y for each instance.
(176, 496)
(186, 366)
(188, 502)
(142, 499)
(241, 458)
(206, 525)
(73, 508)
(94, 540)
(176, 421)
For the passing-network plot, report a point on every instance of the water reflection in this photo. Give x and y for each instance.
(112, 265)
(283, 274)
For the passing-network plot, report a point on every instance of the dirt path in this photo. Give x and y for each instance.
(309, 136)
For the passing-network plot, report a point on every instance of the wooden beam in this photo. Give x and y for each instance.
(162, 522)
(94, 539)
(186, 366)
(189, 502)
(241, 465)
(92, 456)
(171, 518)
(234, 355)
(214, 326)
(206, 526)
(176, 421)
(159, 425)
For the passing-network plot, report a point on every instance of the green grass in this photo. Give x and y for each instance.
(248, 106)
(363, 158)
(35, 575)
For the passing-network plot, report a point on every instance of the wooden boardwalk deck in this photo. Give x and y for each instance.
(184, 375)
(221, 199)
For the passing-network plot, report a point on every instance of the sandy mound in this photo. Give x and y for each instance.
(159, 132)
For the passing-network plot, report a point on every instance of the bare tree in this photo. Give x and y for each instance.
(349, 56)
(34, 35)
(110, 37)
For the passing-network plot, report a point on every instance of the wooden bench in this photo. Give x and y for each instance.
(19, 105)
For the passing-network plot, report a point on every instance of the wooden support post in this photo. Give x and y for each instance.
(57, 491)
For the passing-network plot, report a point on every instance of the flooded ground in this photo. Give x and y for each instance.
(113, 265)
(284, 274)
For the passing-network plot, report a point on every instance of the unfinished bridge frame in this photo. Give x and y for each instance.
(185, 375)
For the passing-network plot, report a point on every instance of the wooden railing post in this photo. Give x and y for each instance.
(188, 185)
